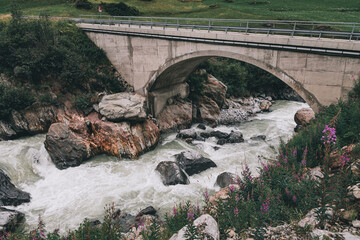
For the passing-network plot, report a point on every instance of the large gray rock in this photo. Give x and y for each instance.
(225, 179)
(9, 194)
(171, 173)
(193, 162)
(123, 106)
(65, 147)
(9, 219)
(207, 226)
(187, 133)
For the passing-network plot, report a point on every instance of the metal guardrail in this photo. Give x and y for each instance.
(341, 30)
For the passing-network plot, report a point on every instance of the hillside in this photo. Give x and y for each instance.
(329, 10)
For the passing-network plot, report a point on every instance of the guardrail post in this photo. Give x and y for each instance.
(129, 21)
(247, 27)
(292, 33)
(209, 25)
(352, 32)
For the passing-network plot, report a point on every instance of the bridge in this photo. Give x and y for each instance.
(320, 61)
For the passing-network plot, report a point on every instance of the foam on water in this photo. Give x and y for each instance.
(64, 198)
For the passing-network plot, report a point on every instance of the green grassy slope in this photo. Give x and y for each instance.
(320, 10)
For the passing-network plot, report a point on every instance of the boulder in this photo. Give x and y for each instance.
(258, 138)
(175, 116)
(207, 111)
(123, 106)
(265, 105)
(147, 211)
(205, 135)
(171, 173)
(225, 179)
(219, 134)
(201, 126)
(235, 137)
(303, 116)
(208, 227)
(70, 145)
(9, 194)
(9, 219)
(215, 90)
(193, 162)
(187, 133)
(65, 147)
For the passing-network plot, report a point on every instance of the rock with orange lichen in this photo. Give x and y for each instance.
(71, 144)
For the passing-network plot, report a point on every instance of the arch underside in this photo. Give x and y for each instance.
(176, 71)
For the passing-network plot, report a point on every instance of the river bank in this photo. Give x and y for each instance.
(65, 197)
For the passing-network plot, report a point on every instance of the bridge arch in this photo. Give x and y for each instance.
(175, 71)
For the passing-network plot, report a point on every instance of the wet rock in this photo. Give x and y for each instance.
(175, 116)
(9, 219)
(65, 147)
(201, 126)
(221, 141)
(9, 194)
(219, 134)
(304, 116)
(216, 148)
(207, 226)
(193, 162)
(123, 106)
(70, 145)
(258, 138)
(187, 133)
(205, 135)
(235, 137)
(147, 211)
(171, 173)
(225, 179)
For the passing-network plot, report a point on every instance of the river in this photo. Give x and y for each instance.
(63, 198)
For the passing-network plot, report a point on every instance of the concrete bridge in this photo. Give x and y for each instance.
(156, 60)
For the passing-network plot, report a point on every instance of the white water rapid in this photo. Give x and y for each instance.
(64, 198)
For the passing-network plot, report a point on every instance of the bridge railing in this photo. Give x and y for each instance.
(344, 30)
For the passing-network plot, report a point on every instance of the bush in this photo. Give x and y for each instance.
(12, 98)
(120, 9)
(83, 101)
(83, 4)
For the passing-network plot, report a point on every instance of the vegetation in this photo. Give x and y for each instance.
(330, 10)
(120, 9)
(242, 79)
(58, 55)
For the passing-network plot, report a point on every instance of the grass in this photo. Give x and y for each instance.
(321, 10)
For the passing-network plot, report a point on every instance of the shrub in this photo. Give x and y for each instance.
(12, 98)
(83, 101)
(120, 9)
(83, 4)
